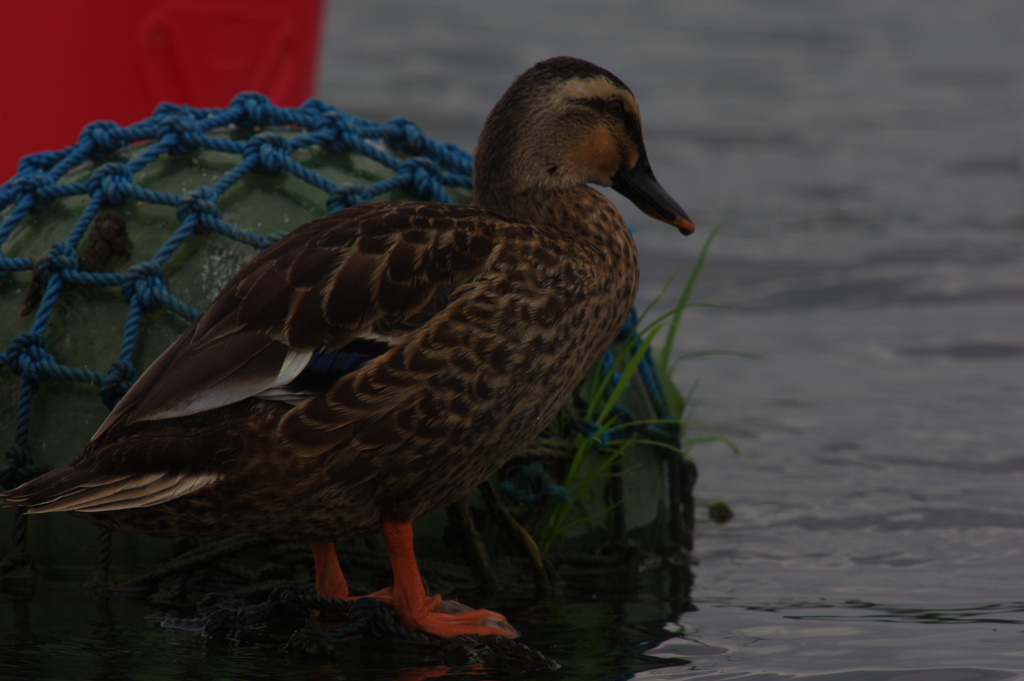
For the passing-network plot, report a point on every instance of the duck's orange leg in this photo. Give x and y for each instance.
(431, 615)
(330, 582)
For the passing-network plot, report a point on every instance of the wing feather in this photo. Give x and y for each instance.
(376, 270)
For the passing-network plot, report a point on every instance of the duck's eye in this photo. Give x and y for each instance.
(616, 108)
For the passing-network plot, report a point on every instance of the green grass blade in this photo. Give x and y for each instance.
(626, 376)
(684, 298)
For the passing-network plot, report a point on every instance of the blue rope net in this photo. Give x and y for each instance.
(422, 169)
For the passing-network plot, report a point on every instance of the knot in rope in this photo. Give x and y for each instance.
(592, 431)
(181, 132)
(665, 433)
(33, 192)
(61, 256)
(346, 196)
(338, 131)
(117, 381)
(420, 178)
(102, 137)
(199, 206)
(145, 282)
(404, 135)
(114, 180)
(28, 356)
(315, 107)
(168, 109)
(621, 416)
(39, 162)
(529, 484)
(270, 151)
(254, 109)
(18, 467)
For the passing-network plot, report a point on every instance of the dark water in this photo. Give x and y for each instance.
(863, 162)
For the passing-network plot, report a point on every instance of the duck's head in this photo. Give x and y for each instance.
(565, 123)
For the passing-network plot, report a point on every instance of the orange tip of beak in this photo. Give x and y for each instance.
(684, 225)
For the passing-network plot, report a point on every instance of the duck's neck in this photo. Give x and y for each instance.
(510, 178)
(513, 180)
(571, 208)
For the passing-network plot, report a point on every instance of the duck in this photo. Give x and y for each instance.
(380, 362)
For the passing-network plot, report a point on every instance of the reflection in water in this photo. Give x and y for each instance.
(62, 630)
(421, 673)
(649, 632)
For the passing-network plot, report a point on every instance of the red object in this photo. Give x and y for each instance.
(67, 63)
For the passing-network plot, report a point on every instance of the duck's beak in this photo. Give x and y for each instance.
(639, 186)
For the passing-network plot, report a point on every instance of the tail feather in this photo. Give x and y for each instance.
(157, 492)
(55, 485)
(74, 489)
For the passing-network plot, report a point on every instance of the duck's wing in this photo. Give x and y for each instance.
(334, 293)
